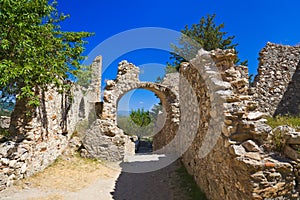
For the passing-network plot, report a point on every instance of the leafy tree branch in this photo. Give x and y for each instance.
(34, 51)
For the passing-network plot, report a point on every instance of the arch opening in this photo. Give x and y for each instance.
(81, 113)
(141, 114)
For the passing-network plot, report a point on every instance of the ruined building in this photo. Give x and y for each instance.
(215, 121)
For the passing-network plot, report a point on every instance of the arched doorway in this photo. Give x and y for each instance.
(106, 140)
(140, 115)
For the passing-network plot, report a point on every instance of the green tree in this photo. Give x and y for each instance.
(84, 76)
(207, 35)
(140, 122)
(140, 117)
(34, 51)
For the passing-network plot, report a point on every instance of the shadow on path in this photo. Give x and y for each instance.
(162, 184)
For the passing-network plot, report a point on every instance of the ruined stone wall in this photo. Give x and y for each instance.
(171, 80)
(240, 164)
(41, 135)
(277, 86)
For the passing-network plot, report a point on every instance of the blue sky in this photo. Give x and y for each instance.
(254, 23)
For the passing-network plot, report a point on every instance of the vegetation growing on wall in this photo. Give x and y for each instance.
(292, 121)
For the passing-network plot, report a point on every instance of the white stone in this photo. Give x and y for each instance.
(250, 145)
(23, 168)
(5, 161)
(255, 115)
(12, 163)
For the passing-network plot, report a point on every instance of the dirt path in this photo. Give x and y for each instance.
(66, 179)
(81, 179)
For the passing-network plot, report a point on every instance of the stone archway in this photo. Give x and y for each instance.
(108, 141)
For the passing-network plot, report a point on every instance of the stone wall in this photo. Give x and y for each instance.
(41, 134)
(277, 86)
(4, 122)
(171, 80)
(241, 164)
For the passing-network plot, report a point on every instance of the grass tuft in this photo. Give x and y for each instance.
(188, 183)
(292, 121)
